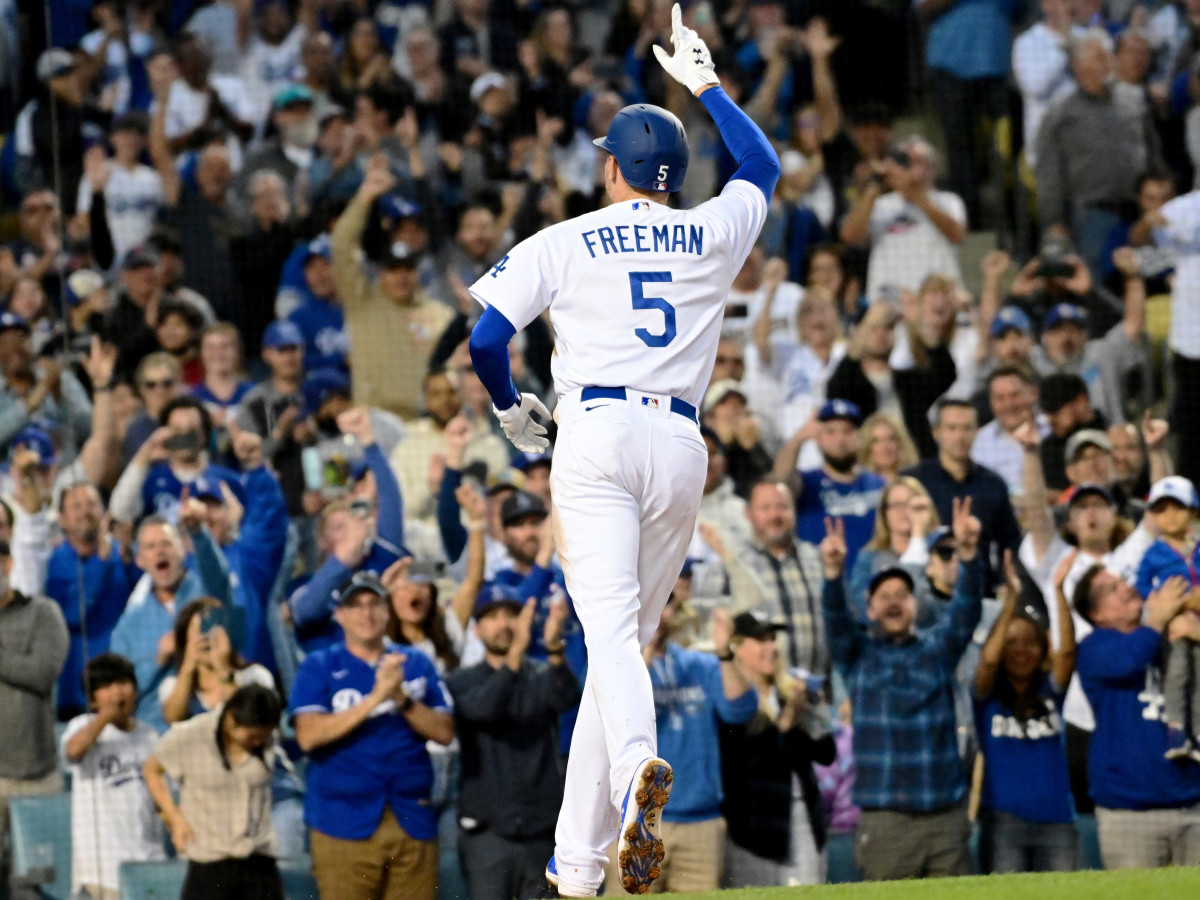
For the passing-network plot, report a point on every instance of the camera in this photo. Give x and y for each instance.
(900, 158)
(188, 440)
(1053, 261)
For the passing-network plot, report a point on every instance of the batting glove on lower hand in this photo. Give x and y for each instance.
(692, 65)
(526, 435)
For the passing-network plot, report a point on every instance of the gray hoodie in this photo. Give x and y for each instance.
(33, 649)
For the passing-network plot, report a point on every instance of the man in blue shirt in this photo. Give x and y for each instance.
(87, 560)
(841, 487)
(174, 456)
(692, 692)
(1147, 807)
(145, 633)
(363, 711)
(361, 539)
(320, 317)
(911, 784)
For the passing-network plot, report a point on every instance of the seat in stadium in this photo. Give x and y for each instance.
(840, 850)
(41, 843)
(152, 880)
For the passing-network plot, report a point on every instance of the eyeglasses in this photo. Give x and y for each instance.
(156, 385)
(944, 552)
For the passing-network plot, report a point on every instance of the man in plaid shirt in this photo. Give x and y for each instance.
(911, 783)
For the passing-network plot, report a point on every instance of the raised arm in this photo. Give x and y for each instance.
(476, 508)
(160, 148)
(993, 649)
(1038, 515)
(1062, 657)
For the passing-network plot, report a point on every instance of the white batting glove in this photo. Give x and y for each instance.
(526, 435)
(692, 65)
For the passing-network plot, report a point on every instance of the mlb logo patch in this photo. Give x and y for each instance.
(651, 402)
(641, 204)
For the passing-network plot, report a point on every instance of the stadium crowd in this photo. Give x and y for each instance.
(268, 560)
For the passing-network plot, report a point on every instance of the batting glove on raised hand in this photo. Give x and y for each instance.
(692, 65)
(526, 435)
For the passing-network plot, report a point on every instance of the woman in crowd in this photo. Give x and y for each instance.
(157, 381)
(364, 62)
(773, 805)
(886, 449)
(417, 619)
(209, 670)
(1026, 815)
(222, 761)
(905, 516)
(864, 376)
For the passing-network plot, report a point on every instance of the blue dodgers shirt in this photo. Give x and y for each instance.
(1122, 678)
(381, 763)
(1025, 762)
(1162, 561)
(324, 328)
(689, 697)
(854, 503)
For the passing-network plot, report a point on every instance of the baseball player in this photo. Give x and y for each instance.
(636, 294)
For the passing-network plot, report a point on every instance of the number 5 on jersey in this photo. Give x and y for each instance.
(637, 280)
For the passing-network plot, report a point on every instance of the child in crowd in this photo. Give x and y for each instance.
(1173, 504)
(112, 816)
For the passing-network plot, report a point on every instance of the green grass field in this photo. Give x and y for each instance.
(1151, 884)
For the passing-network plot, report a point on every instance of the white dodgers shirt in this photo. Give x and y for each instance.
(636, 291)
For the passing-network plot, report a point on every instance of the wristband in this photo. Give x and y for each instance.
(557, 650)
(407, 704)
(101, 388)
(727, 656)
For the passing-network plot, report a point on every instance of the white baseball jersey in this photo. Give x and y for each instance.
(636, 291)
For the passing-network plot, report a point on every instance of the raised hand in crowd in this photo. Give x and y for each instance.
(356, 422)
(833, 548)
(522, 629)
(966, 528)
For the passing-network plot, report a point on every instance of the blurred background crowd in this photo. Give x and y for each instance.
(270, 568)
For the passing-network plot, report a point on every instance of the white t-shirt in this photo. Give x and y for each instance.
(132, 198)
(112, 816)
(1043, 75)
(906, 246)
(266, 68)
(114, 77)
(791, 389)
(636, 291)
(1182, 234)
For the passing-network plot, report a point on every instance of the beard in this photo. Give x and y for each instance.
(841, 464)
(500, 644)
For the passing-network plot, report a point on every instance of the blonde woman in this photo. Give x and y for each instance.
(904, 517)
(886, 447)
(772, 800)
(923, 365)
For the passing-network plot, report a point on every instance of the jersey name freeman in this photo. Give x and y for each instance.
(645, 239)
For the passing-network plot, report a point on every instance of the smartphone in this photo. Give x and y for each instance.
(187, 440)
(815, 683)
(900, 158)
(212, 616)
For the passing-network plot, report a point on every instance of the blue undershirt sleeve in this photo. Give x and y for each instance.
(489, 353)
(758, 163)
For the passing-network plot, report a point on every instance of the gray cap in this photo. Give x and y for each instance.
(1087, 437)
(54, 62)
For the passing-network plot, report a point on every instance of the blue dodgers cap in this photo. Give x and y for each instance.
(365, 580)
(12, 320)
(532, 461)
(318, 246)
(205, 488)
(840, 409)
(38, 439)
(494, 595)
(1173, 487)
(1090, 489)
(939, 534)
(1065, 312)
(887, 575)
(1011, 318)
(322, 384)
(282, 333)
(519, 505)
(394, 206)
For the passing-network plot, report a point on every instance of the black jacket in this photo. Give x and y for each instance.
(850, 382)
(507, 723)
(757, 764)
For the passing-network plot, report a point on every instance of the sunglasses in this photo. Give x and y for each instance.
(944, 552)
(155, 385)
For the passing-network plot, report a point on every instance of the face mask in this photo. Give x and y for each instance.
(302, 134)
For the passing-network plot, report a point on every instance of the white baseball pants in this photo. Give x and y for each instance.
(626, 484)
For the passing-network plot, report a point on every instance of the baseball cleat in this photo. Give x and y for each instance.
(639, 848)
(552, 880)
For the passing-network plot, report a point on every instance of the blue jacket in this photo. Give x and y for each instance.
(1162, 561)
(689, 698)
(902, 694)
(324, 328)
(107, 584)
(312, 604)
(1122, 678)
(255, 557)
(145, 620)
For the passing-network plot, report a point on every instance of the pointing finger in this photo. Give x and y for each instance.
(676, 23)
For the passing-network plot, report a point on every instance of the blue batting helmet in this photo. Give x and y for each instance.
(650, 146)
